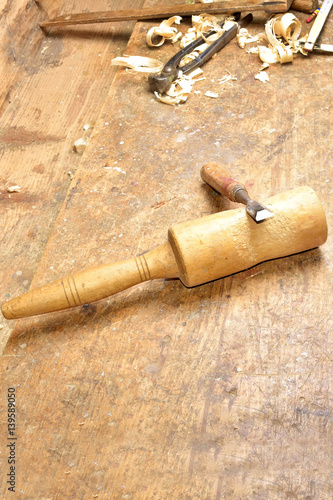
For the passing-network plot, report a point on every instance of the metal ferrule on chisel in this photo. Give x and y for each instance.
(221, 180)
(255, 210)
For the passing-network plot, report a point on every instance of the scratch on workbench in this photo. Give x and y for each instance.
(11, 38)
(253, 275)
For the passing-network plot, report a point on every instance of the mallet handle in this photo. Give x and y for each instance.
(93, 284)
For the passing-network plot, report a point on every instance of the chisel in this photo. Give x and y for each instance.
(220, 179)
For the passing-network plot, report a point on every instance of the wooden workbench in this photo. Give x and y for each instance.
(220, 391)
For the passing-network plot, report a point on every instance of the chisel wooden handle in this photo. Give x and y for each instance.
(221, 180)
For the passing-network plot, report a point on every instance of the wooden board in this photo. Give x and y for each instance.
(52, 86)
(163, 12)
(220, 391)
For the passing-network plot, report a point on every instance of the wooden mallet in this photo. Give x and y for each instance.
(196, 252)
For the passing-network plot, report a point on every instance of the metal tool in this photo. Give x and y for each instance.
(162, 82)
(218, 178)
(318, 25)
(323, 48)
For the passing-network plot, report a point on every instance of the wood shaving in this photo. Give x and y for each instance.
(180, 88)
(268, 55)
(177, 37)
(89, 125)
(253, 50)
(156, 36)
(227, 78)
(264, 66)
(214, 95)
(193, 55)
(167, 99)
(262, 77)
(139, 63)
(196, 72)
(280, 41)
(244, 37)
(80, 145)
(201, 25)
(188, 38)
(281, 33)
(205, 23)
(14, 189)
(229, 23)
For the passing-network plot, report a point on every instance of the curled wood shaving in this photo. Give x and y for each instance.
(201, 25)
(180, 89)
(178, 92)
(286, 26)
(177, 37)
(156, 36)
(244, 37)
(139, 63)
(228, 23)
(204, 23)
(171, 100)
(280, 41)
(194, 54)
(268, 55)
(189, 37)
(281, 33)
(197, 33)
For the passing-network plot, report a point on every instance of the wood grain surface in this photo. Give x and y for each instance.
(52, 86)
(223, 391)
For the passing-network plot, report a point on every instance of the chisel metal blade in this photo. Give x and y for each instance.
(258, 212)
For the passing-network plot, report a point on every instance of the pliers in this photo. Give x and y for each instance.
(162, 82)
